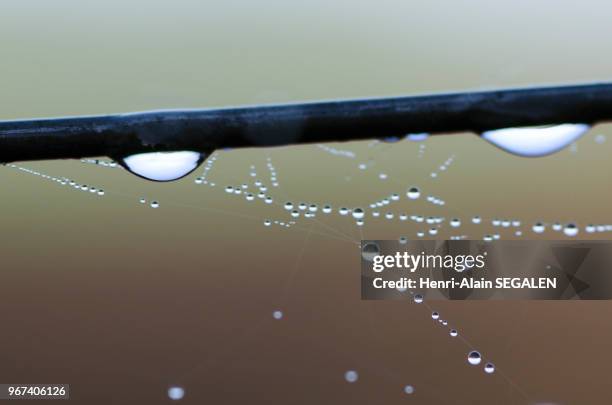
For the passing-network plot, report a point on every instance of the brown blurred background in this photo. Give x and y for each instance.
(122, 301)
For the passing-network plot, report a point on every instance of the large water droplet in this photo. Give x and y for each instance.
(535, 141)
(163, 166)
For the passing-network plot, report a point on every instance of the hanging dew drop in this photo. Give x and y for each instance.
(163, 166)
(418, 298)
(474, 358)
(535, 141)
(489, 368)
(453, 333)
(435, 315)
(358, 213)
(154, 204)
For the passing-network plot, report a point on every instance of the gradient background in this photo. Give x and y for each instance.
(121, 300)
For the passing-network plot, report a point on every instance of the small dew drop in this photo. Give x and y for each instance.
(418, 298)
(277, 314)
(474, 358)
(538, 227)
(570, 230)
(369, 251)
(154, 204)
(176, 393)
(408, 389)
(351, 376)
(358, 213)
(489, 368)
(413, 193)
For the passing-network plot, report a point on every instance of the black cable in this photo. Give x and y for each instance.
(208, 129)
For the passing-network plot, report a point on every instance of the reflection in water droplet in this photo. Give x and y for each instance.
(489, 368)
(535, 141)
(163, 166)
(176, 393)
(351, 376)
(474, 358)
